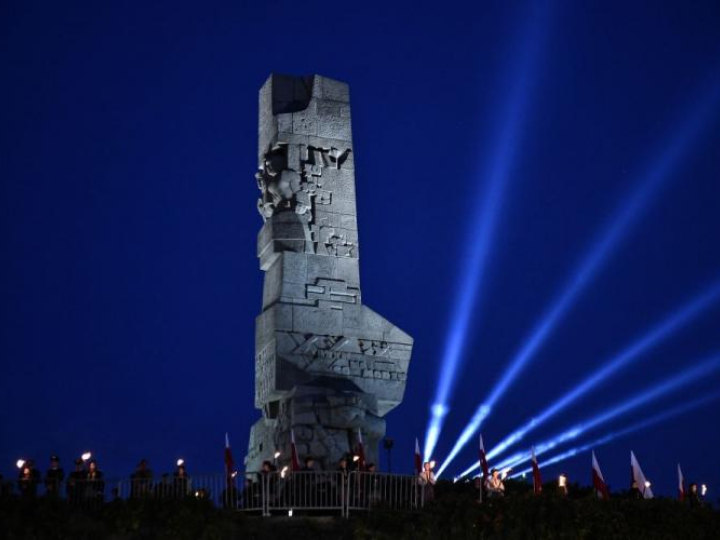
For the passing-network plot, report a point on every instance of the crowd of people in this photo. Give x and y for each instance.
(493, 486)
(86, 482)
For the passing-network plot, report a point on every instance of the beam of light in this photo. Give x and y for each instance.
(479, 241)
(667, 386)
(656, 335)
(600, 250)
(644, 424)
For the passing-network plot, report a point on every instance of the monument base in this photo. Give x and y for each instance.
(325, 424)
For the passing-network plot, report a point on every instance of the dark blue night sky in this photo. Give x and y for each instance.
(127, 215)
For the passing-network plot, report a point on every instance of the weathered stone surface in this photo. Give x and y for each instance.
(326, 366)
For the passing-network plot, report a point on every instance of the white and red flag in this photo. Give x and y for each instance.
(598, 480)
(361, 452)
(639, 478)
(681, 484)
(418, 457)
(537, 479)
(229, 463)
(483, 459)
(295, 461)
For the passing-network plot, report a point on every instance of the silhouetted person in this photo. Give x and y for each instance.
(230, 497)
(94, 484)
(426, 479)
(28, 480)
(269, 478)
(372, 484)
(141, 481)
(306, 492)
(54, 477)
(181, 482)
(635, 492)
(343, 467)
(163, 488)
(76, 482)
(693, 496)
(250, 496)
(4, 488)
(494, 484)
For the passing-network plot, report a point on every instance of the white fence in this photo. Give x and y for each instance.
(273, 493)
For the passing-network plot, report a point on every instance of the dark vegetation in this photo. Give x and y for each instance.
(455, 514)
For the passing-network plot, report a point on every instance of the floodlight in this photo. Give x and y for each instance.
(643, 424)
(600, 250)
(682, 316)
(501, 158)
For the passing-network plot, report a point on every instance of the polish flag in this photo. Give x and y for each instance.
(295, 462)
(229, 463)
(483, 459)
(681, 484)
(418, 457)
(638, 477)
(598, 480)
(537, 479)
(361, 452)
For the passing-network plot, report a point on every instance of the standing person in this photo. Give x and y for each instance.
(4, 488)
(141, 480)
(94, 484)
(28, 479)
(163, 488)
(563, 484)
(427, 480)
(76, 482)
(693, 496)
(343, 468)
(635, 492)
(309, 464)
(494, 484)
(181, 482)
(54, 477)
(269, 478)
(340, 481)
(373, 485)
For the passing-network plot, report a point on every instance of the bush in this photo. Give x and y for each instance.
(456, 513)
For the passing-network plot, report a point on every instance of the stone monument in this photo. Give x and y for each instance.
(326, 366)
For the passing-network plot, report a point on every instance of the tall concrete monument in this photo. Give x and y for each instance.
(326, 366)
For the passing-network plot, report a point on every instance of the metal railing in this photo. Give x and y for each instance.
(267, 494)
(304, 491)
(366, 491)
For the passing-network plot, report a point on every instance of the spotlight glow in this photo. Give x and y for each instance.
(656, 335)
(601, 249)
(661, 417)
(480, 414)
(669, 385)
(480, 237)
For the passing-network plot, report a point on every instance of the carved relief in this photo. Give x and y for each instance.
(290, 179)
(264, 373)
(350, 357)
